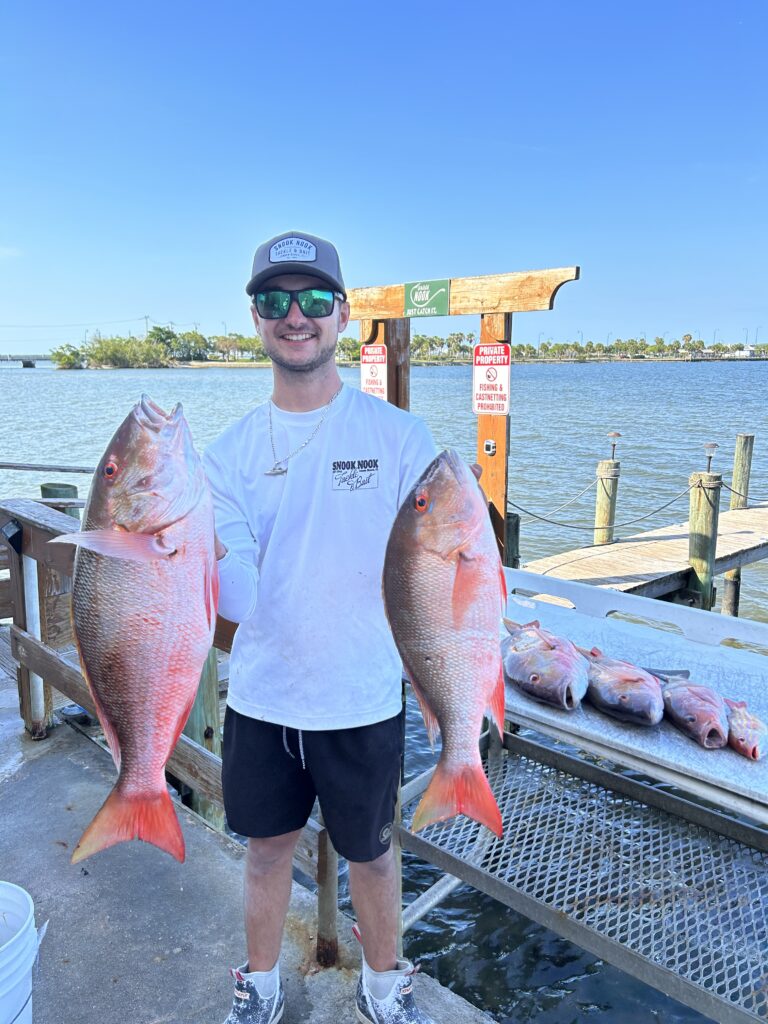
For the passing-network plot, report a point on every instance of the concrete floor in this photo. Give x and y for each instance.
(134, 937)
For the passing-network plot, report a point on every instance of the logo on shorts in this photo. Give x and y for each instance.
(386, 834)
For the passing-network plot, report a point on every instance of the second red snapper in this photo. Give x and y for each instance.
(444, 593)
(144, 598)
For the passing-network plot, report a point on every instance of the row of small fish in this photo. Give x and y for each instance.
(555, 671)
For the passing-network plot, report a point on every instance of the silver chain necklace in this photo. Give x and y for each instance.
(277, 469)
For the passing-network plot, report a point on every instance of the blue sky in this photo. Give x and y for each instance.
(147, 148)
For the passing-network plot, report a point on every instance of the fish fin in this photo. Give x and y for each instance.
(512, 627)
(211, 584)
(496, 706)
(533, 624)
(151, 818)
(537, 629)
(467, 584)
(462, 790)
(135, 547)
(107, 728)
(596, 652)
(430, 720)
(733, 704)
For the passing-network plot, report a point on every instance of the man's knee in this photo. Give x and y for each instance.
(265, 855)
(381, 867)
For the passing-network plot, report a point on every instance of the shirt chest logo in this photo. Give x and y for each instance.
(355, 474)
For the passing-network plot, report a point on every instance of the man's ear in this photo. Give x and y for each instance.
(343, 316)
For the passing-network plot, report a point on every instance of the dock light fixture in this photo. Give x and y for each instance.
(614, 436)
(710, 447)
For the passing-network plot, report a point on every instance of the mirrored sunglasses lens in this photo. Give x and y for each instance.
(316, 302)
(273, 304)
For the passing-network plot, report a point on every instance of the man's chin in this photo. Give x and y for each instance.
(302, 365)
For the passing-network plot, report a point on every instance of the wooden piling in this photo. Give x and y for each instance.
(607, 472)
(204, 727)
(702, 534)
(742, 464)
(512, 541)
(55, 490)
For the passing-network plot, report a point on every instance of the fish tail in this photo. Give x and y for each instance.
(458, 790)
(151, 818)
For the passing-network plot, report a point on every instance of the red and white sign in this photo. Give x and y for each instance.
(373, 370)
(490, 379)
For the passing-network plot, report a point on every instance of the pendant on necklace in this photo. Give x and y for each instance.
(276, 471)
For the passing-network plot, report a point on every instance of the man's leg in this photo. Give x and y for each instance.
(268, 877)
(372, 886)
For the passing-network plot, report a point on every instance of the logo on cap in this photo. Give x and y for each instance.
(293, 249)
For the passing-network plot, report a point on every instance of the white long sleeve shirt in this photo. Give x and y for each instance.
(302, 574)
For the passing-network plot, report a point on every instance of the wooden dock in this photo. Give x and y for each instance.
(655, 563)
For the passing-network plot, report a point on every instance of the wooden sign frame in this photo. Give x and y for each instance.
(495, 297)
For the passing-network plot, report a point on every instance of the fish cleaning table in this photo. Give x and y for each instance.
(672, 890)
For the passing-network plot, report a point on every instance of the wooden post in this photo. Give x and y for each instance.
(702, 533)
(396, 335)
(607, 472)
(204, 727)
(742, 464)
(61, 491)
(495, 328)
(512, 541)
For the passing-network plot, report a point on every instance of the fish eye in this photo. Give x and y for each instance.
(534, 677)
(690, 718)
(110, 470)
(624, 697)
(421, 502)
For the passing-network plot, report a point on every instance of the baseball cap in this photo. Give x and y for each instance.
(296, 253)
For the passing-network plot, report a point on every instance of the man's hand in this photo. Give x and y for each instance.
(218, 547)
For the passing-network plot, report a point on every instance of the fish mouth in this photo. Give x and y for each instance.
(148, 414)
(712, 737)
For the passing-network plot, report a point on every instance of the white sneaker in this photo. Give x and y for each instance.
(399, 1007)
(248, 1007)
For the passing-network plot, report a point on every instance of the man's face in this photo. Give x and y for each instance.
(298, 342)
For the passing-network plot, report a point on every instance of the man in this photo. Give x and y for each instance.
(306, 488)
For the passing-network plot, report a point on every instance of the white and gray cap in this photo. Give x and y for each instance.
(296, 253)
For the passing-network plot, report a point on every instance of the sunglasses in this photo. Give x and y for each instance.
(274, 303)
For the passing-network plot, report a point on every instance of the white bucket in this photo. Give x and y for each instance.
(18, 952)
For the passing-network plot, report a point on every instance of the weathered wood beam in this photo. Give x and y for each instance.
(519, 292)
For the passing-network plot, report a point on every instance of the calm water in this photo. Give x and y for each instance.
(560, 418)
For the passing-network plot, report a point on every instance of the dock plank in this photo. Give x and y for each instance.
(656, 562)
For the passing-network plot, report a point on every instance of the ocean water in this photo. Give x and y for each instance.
(560, 418)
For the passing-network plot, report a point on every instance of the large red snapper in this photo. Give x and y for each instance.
(144, 596)
(444, 593)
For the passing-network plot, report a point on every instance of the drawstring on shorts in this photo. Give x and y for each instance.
(301, 746)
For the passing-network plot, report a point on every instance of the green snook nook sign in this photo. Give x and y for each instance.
(427, 298)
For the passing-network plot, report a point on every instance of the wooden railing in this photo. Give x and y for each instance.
(38, 599)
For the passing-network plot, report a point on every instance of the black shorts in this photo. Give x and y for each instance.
(271, 775)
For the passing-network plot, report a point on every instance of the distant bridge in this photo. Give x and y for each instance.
(26, 361)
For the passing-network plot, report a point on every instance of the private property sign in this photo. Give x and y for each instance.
(373, 370)
(490, 379)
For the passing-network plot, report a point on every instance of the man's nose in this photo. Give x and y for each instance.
(294, 316)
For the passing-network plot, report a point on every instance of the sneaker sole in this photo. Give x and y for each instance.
(362, 1017)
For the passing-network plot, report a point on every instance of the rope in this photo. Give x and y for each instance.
(566, 503)
(609, 526)
(745, 496)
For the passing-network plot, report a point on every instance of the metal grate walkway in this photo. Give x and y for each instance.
(671, 901)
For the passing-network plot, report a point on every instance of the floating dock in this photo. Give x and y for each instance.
(655, 564)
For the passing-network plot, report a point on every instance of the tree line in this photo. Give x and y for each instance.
(163, 346)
